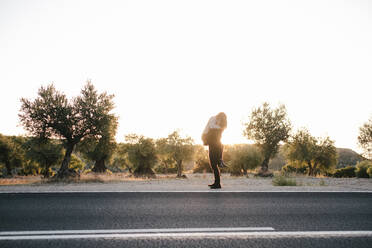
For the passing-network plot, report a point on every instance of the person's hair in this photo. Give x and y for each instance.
(221, 120)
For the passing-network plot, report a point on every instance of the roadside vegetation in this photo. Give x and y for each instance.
(69, 139)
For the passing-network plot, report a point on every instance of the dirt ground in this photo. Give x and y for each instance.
(194, 182)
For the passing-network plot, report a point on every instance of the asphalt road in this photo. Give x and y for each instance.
(296, 214)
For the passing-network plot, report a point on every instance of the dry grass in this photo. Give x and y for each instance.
(20, 180)
(84, 178)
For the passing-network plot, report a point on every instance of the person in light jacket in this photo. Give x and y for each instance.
(212, 138)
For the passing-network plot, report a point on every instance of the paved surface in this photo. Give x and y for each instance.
(284, 212)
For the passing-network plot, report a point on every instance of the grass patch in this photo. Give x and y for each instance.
(322, 183)
(284, 181)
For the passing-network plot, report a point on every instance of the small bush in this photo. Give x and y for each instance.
(369, 172)
(361, 169)
(289, 169)
(348, 171)
(284, 181)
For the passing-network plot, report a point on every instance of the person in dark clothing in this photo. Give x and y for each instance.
(212, 137)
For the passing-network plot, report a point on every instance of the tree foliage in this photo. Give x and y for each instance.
(316, 153)
(177, 149)
(362, 167)
(201, 160)
(45, 152)
(101, 151)
(10, 154)
(52, 115)
(141, 154)
(243, 158)
(268, 127)
(365, 137)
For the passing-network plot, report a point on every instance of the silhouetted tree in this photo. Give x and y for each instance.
(268, 127)
(51, 114)
(317, 154)
(141, 154)
(166, 161)
(365, 137)
(10, 154)
(45, 152)
(100, 151)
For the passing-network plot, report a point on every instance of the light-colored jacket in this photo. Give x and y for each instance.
(212, 124)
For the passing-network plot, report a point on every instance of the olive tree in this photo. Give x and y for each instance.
(45, 152)
(316, 153)
(52, 115)
(365, 137)
(268, 127)
(141, 154)
(100, 151)
(10, 154)
(244, 157)
(179, 149)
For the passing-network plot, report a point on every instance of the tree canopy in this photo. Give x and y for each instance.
(52, 115)
(141, 154)
(177, 148)
(45, 152)
(10, 154)
(316, 153)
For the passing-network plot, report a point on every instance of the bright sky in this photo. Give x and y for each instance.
(173, 64)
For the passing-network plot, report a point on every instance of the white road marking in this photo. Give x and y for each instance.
(175, 191)
(156, 230)
(308, 234)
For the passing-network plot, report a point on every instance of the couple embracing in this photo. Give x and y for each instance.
(212, 138)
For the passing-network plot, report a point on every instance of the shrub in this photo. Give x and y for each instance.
(141, 155)
(284, 181)
(202, 165)
(243, 158)
(289, 168)
(76, 164)
(361, 169)
(369, 171)
(348, 171)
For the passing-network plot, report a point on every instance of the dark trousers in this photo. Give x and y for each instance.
(215, 155)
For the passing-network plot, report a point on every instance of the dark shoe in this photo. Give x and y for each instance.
(210, 185)
(216, 186)
(221, 164)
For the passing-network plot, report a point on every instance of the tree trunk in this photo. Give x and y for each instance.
(264, 171)
(46, 171)
(310, 168)
(63, 171)
(265, 164)
(99, 166)
(166, 168)
(8, 169)
(179, 168)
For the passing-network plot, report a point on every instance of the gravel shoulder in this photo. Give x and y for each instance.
(197, 182)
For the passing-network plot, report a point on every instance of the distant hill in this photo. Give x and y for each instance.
(346, 157)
